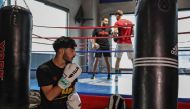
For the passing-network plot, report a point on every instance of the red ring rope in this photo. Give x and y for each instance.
(83, 27)
(84, 37)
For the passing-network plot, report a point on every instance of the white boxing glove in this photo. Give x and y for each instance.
(63, 83)
(96, 46)
(74, 101)
(71, 72)
(115, 33)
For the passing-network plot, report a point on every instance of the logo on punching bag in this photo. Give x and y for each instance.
(174, 50)
(164, 5)
(2, 61)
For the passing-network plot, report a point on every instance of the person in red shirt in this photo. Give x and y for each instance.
(122, 43)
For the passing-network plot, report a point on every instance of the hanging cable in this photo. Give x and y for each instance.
(26, 4)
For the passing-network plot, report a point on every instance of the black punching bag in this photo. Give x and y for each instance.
(15, 48)
(155, 77)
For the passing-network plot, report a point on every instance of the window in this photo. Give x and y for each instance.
(44, 15)
(184, 39)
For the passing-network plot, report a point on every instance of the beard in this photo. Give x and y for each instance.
(66, 58)
(104, 24)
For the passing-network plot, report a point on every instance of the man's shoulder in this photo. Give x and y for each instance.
(44, 66)
(126, 20)
(97, 29)
(123, 22)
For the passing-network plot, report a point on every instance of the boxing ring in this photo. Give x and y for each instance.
(95, 93)
(99, 90)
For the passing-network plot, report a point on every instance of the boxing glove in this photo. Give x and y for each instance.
(71, 72)
(74, 101)
(63, 83)
(96, 46)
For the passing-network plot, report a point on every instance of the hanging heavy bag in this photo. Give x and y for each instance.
(15, 48)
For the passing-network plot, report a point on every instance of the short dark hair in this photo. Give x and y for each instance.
(119, 12)
(64, 42)
(104, 17)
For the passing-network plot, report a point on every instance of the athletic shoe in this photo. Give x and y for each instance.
(116, 78)
(93, 76)
(108, 78)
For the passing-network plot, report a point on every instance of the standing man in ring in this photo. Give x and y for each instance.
(102, 44)
(122, 43)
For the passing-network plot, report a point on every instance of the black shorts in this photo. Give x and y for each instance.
(105, 54)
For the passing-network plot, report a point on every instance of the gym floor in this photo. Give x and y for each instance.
(101, 86)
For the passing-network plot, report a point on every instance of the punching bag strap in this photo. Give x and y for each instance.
(26, 5)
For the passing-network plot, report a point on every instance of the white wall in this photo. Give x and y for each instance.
(73, 6)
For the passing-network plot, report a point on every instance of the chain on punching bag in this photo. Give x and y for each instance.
(155, 77)
(15, 47)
